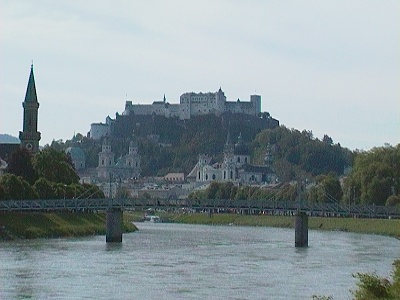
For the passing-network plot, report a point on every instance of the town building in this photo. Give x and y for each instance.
(125, 167)
(236, 166)
(77, 156)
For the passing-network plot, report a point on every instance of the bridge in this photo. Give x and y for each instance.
(115, 207)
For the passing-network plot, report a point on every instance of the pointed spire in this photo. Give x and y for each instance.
(228, 145)
(30, 95)
(164, 98)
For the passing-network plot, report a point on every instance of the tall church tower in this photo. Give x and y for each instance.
(132, 160)
(106, 159)
(29, 136)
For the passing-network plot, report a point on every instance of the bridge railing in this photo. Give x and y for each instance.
(221, 205)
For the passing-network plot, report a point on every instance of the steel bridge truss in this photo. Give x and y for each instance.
(201, 205)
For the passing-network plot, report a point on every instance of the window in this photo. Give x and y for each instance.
(231, 174)
(238, 159)
(206, 176)
(102, 162)
(199, 175)
(213, 177)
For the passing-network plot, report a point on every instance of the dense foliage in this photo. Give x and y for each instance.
(300, 155)
(227, 190)
(173, 145)
(48, 174)
(375, 178)
(373, 287)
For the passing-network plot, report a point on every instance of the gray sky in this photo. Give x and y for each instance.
(332, 67)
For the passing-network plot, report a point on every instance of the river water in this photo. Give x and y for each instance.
(177, 261)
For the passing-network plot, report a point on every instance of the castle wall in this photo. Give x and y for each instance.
(98, 130)
(194, 104)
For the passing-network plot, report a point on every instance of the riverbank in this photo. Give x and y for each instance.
(53, 225)
(388, 227)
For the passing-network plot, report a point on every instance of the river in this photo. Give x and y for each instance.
(177, 261)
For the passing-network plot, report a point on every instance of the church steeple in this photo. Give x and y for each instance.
(29, 136)
(30, 95)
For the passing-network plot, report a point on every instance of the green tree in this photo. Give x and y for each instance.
(373, 287)
(20, 164)
(55, 166)
(375, 176)
(15, 188)
(213, 188)
(45, 189)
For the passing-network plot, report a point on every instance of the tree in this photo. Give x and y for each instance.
(327, 139)
(373, 287)
(20, 164)
(54, 166)
(375, 176)
(393, 200)
(15, 188)
(45, 189)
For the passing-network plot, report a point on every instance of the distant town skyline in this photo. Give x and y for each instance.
(331, 67)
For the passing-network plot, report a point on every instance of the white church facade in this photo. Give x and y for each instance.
(236, 167)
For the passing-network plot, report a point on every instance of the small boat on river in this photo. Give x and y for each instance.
(152, 219)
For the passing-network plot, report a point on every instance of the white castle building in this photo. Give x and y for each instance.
(236, 166)
(194, 104)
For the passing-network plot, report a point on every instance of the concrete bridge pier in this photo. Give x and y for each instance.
(114, 224)
(301, 230)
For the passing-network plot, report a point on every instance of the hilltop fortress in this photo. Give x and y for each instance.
(141, 118)
(195, 104)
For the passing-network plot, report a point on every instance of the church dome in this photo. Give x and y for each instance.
(76, 153)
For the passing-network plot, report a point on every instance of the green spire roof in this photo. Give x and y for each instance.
(30, 95)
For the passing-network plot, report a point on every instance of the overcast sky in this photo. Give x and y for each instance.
(332, 67)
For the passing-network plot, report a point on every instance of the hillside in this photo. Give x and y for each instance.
(172, 145)
(8, 139)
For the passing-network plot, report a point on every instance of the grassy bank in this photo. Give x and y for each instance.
(51, 225)
(370, 226)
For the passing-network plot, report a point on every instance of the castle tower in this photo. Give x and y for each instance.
(256, 102)
(220, 100)
(106, 159)
(29, 135)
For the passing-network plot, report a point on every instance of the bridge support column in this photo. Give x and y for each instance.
(301, 230)
(114, 226)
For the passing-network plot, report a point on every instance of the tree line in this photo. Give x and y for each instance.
(48, 174)
(319, 165)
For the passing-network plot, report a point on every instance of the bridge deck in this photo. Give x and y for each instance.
(221, 205)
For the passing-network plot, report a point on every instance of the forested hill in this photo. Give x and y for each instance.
(173, 145)
(298, 154)
(171, 130)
